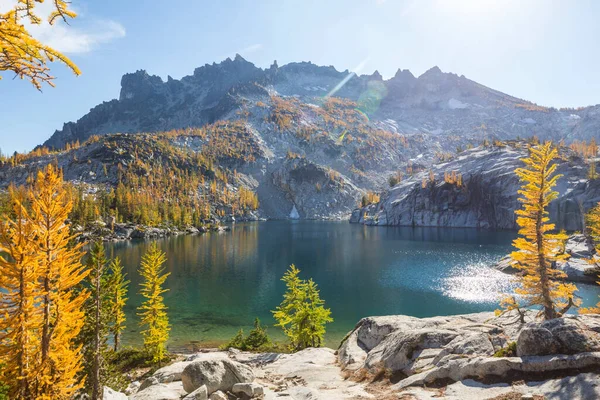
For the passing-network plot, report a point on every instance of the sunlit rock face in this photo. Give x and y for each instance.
(487, 196)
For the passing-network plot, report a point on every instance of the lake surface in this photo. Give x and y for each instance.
(220, 282)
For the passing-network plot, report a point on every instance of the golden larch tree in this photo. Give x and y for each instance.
(593, 226)
(20, 320)
(60, 272)
(117, 298)
(537, 248)
(20, 52)
(153, 311)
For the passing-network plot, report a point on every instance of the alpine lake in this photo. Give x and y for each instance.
(220, 281)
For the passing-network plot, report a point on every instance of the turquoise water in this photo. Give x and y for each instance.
(220, 281)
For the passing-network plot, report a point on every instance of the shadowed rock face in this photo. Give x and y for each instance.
(435, 103)
(488, 196)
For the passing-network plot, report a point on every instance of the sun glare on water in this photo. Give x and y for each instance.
(477, 283)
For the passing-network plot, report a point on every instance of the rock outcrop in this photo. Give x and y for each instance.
(487, 197)
(578, 267)
(474, 346)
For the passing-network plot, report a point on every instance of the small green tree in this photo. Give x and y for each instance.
(153, 311)
(93, 335)
(258, 337)
(302, 314)
(117, 297)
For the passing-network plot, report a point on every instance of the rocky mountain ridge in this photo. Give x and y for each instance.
(435, 103)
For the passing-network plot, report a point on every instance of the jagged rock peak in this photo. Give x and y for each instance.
(403, 74)
(139, 82)
(376, 76)
(432, 72)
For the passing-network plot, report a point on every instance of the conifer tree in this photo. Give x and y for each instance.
(537, 249)
(20, 323)
(302, 314)
(593, 225)
(117, 298)
(60, 271)
(93, 336)
(153, 311)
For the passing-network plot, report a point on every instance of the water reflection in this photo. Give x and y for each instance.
(220, 281)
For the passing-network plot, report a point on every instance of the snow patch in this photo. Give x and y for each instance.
(294, 213)
(455, 104)
(529, 121)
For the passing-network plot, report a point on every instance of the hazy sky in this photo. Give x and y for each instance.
(544, 51)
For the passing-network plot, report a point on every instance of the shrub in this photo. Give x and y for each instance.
(257, 339)
(509, 351)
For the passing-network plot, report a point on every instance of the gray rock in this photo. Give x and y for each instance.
(579, 270)
(132, 388)
(578, 246)
(215, 374)
(249, 389)
(536, 340)
(218, 395)
(171, 372)
(497, 368)
(557, 336)
(199, 394)
(109, 394)
(161, 391)
(151, 380)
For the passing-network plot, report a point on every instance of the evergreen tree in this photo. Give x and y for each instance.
(537, 249)
(302, 314)
(93, 336)
(593, 225)
(116, 300)
(153, 311)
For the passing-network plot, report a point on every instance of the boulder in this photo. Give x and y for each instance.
(199, 394)
(170, 373)
(557, 336)
(579, 270)
(161, 391)
(216, 374)
(132, 388)
(248, 389)
(578, 246)
(150, 381)
(536, 340)
(218, 395)
(109, 394)
(505, 265)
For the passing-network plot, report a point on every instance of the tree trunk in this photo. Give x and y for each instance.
(543, 267)
(96, 395)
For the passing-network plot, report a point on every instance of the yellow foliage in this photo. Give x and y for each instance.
(38, 339)
(153, 311)
(537, 249)
(24, 55)
(593, 225)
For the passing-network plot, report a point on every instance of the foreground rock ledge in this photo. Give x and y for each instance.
(401, 357)
(438, 350)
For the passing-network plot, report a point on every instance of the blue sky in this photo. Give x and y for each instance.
(544, 51)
